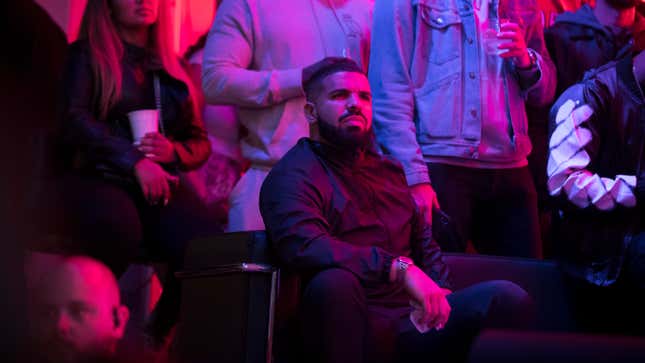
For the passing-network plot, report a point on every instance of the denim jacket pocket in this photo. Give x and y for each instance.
(444, 32)
(437, 109)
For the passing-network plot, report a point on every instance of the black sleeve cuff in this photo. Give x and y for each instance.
(639, 191)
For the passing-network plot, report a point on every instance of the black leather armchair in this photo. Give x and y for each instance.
(236, 308)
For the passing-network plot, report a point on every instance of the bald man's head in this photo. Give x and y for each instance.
(82, 312)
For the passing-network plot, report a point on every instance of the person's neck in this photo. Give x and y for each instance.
(610, 16)
(135, 36)
(344, 154)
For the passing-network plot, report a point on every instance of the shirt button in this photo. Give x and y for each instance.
(470, 40)
(473, 112)
(471, 75)
(466, 7)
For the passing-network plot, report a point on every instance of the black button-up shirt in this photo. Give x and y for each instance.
(324, 208)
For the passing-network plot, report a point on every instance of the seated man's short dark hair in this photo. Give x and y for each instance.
(313, 75)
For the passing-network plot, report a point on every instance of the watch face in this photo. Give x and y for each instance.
(403, 263)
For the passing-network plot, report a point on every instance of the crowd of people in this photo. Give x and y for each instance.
(339, 127)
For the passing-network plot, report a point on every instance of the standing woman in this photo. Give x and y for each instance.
(122, 198)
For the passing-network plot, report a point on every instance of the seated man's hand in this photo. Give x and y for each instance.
(425, 198)
(428, 297)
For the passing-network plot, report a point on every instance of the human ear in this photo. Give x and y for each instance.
(120, 315)
(310, 112)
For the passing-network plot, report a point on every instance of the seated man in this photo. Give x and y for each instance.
(80, 317)
(342, 216)
(597, 166)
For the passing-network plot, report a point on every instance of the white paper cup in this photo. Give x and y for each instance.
(143, 122)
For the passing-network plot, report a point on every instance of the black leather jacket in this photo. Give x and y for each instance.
(577, 43)
(600, 212)
(107, 143)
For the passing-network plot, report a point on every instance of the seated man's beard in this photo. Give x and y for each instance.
(343, 138)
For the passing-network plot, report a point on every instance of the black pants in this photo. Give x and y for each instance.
(339, 324)
(113, 223)
(496, 209)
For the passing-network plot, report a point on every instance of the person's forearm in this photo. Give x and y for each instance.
(542, 91)
(538, 83)
(229, 84)
(192, 154)
(368, 263)
(572, 149)
(96, 139)
(392, 88)
(227, 77)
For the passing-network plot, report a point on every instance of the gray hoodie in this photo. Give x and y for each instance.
(254, 57)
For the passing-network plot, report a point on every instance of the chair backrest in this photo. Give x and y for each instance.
(228, 248)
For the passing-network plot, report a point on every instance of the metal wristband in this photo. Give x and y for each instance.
(403, 263)
(534, 59)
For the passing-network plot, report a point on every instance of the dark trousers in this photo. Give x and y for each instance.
(615, 309)
(496, 209)
(113, 223)
(340, 324)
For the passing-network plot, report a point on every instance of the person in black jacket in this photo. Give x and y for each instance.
(597, 169)
(122, 196)
(591, 37)
(578, 42)
(342, 216)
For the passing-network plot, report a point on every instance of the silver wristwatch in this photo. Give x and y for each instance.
(402, 265)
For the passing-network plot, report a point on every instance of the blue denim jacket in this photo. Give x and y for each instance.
(425, 76)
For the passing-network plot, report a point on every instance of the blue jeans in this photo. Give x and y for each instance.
(339, 323)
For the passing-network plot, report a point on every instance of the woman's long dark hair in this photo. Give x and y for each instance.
(106, 51)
